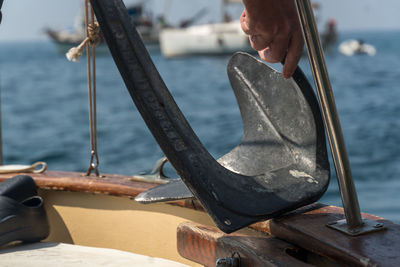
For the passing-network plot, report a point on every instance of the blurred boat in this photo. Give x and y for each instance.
(221, 38)
(208, 39)
(356, 47)
(329, 36)
(148, 29)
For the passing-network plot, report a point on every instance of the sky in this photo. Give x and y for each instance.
(26, 19)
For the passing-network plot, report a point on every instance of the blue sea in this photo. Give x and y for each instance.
(44, 109)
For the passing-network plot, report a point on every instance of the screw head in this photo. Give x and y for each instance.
(354, 231)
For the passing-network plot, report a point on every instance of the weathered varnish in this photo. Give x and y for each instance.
(205, 244)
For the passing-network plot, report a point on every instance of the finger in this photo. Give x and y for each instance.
(259, 42)
(293, 55)
(277, 49)
(244, 23)
(263, 53)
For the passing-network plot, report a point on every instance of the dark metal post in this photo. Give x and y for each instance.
(1, 126)
(1, 4)
(330, 116)
(1, 138)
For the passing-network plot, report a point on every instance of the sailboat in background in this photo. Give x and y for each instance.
(225, 37)
(146, 26)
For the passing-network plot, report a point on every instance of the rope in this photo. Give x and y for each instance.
(93, 39)
(92, 33)
(37, 167)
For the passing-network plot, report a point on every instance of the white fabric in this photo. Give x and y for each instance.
(66, 255)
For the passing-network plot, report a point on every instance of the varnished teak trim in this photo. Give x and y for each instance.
(204, 245)
(110, 184)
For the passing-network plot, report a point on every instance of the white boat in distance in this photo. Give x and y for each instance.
(225, 37)
(356, 47)
(207, 39)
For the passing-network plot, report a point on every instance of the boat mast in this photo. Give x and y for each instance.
(223, 10)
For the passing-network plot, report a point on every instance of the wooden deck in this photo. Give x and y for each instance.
(300, 238)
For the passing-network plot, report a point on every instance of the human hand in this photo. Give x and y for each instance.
(274, 31)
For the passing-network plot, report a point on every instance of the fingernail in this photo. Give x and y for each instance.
(286, 75)
(266, 54)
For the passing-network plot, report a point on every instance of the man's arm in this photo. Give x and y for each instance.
(274, 31)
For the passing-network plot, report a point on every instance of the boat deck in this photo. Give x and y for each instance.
(303, 233)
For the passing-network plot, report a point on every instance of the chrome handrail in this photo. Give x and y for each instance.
(330, 116)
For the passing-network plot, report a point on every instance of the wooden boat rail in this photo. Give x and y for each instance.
(109, 184)
(303, 230)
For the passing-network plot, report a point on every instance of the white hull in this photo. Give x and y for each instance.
(219, 38)
(354, 47)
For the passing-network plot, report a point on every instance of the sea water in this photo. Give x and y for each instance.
(44, 111)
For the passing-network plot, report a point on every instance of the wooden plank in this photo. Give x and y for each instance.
(205, 245)
(307, 229)
(110, 184)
